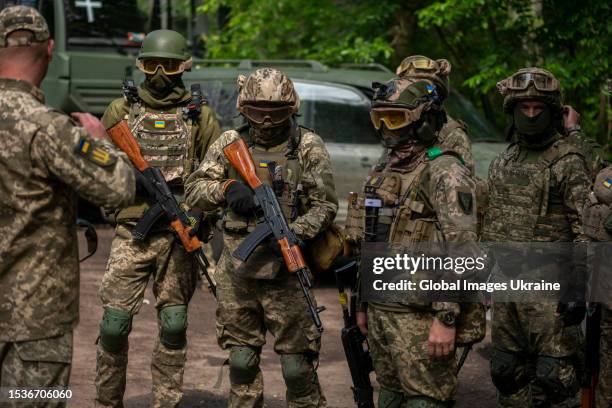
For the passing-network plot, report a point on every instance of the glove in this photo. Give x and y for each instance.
(240, 198)
(571, 313)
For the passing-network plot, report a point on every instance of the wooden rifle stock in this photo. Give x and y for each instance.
(123, 138)
(240, 158)
(292, 255)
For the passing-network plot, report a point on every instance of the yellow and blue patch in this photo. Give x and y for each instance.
(160, 124)
(264, 163)
(607, 183)
(94, 152)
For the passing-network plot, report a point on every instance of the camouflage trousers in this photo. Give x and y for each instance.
(247, 309)
(536, 354)
(399, 346)
(604, 387)
(130, 266)
(36, 364)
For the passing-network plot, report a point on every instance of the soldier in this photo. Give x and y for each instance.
(537, 189)
(174, 130)
(260, 295)
(453, 135)
(45, 158)
(427, 195)
(597, 219)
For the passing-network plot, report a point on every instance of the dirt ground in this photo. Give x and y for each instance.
(205, 358)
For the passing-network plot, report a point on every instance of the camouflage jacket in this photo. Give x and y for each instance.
(453, 136)
(203, 132)
(45, 159)
(204, 188)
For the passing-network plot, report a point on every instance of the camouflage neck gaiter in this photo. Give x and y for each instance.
(270, 136)
(533, 132)
(164, 87)
(406, 157)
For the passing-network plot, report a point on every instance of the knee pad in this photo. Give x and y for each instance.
(548, 370)
(389, 399)
(114, 329)
(422, 401)
(298, 373)
(505, 372)
(243, 364)
(173, 331)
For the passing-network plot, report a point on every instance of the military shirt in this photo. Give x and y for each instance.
(453, 136)
(46, 158)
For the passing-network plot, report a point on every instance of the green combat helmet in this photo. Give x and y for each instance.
(530, 83)
(166, 49)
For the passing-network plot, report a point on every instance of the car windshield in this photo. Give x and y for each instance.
(340, 114)
(123, 22)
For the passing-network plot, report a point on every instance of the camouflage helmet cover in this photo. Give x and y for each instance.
(422, 67)
(22, 18)
(267, 85)
(512, 96)
(164, 44)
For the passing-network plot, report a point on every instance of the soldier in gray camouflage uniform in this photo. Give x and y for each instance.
(426, 194)
(173, 132)
(597, 219)
(45, 158)
(453, 135)
(537, 190)
(260, 295)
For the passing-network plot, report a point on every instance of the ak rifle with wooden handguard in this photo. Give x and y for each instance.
(272, 222)
(163, 202)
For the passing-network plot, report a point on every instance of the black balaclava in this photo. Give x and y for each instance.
(533, 131)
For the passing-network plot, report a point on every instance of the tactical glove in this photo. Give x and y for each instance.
(240, 198)
(571, 313)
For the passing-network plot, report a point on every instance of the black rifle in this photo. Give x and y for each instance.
(591, 366)
(355, 344)
(272, 222)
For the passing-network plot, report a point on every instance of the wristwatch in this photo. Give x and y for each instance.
(447, 318)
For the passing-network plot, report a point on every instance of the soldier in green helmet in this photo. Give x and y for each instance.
(174, 129)
(421, 193)
(537, 191)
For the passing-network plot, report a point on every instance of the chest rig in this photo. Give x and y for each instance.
(524, 204)
(278, 167)
(165, 138)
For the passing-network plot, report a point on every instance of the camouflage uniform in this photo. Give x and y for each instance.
(537, 189)
(175, 142)
(43, 162)
(420, 196)
(597, 218)
(453, 135)
(260, 295)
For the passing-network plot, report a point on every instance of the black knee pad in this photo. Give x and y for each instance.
(548, 377)
(243, 364)
(173, 330)
(114, 329)
(299, 374)
(505, 372)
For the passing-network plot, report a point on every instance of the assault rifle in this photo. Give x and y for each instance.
(272, 222)
(591, 368)
(353, 341)
(163, 201)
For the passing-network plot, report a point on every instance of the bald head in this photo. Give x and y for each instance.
(26, 62)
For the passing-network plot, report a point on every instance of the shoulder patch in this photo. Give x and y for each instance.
(94, 152)
(466, 201)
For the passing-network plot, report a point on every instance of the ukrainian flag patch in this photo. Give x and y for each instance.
(160, 124)
(607, 183)
(94, 152)
(264, 163)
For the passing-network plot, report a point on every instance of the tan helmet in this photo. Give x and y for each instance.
(422, 67)
(266, 85)
(530, 83)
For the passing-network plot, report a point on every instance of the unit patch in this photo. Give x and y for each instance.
(94, 152)
(466, 201)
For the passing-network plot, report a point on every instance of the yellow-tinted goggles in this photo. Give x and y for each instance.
(168, 65)
(394, 118)
(417, 62)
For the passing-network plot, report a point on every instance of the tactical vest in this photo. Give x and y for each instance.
(522, 205)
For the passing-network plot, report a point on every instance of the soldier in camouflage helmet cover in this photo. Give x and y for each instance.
(597, 218)
(259, 295)
(45, 158)
(537, 190)
(453, 134)
(174, 129)
(413, 345)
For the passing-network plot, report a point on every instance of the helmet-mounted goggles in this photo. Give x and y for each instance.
(169, 66)
(259, 114)
(395, 118)
(542, 82)
(417, 62)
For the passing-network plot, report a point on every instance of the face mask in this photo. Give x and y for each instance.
(532, 128)
(268, 135)
(394, 138)
(160, 84)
